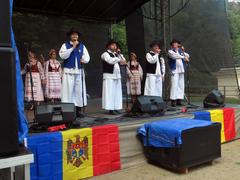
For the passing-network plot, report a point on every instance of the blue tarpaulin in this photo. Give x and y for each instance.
(167, 133)
(22, 121)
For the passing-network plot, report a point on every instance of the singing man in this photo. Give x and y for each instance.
(177, 62)
(75, 56)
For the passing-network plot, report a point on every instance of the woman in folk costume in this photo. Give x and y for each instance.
(135, 76)
(42, 60)
(155, 69)
(53, 74)
(75, 55)
(112, 86)
(177, 63)
(37, 74)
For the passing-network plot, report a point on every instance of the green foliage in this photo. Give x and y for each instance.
(119, 34)
(234, 22)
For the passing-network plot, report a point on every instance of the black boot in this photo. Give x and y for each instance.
(179, 102)
(117, 112)
(111, 112)
(79, 112)
(173, 103)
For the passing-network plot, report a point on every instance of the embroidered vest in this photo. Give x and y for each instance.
(76, 53)
(108, 68)
(151, 68)
(172, 62)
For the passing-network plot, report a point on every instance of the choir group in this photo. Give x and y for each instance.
(67, 84)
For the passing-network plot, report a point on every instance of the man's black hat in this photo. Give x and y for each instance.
(73, 31)
(175, 41)
(111, 41)
(155, 43)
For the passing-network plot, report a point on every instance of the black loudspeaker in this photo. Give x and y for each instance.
(55, 114)
(8, 110)
(199, 145)
(149, 104)
(5, 35)
(214, 99)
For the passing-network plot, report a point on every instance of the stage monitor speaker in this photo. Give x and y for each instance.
(55, 114)
(8, 110)
(149, 104)
(214, 99)
(5, 35)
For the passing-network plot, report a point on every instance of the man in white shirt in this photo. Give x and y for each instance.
(155, 69)
(75, 55)
(177, 63)
(112, 88)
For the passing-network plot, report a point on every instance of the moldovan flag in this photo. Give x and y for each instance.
(77, 154)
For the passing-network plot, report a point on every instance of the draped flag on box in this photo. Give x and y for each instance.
(229, 123)
(217, 116)
(75, 154)
(225, 116)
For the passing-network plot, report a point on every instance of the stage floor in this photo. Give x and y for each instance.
(95, 115)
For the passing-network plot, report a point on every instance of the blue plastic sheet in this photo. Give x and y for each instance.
(167, 133)
(22, 121)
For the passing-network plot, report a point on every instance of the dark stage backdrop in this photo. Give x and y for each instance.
(42, 33)
(203, 28)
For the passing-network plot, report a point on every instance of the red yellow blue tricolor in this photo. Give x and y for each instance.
(225, 116)
(75, 154)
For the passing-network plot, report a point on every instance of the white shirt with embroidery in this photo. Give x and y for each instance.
(155, 59)
(64, 53)
(113, 61)
(179, 64)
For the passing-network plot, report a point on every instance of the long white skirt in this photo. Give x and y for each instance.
(112, 94)
(72, 89)
(177, 86)
(153, 85)
(37, 87)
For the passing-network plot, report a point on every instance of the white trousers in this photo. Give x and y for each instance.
(153, 85)
(72, 91)
(177, 86)
(112, 94)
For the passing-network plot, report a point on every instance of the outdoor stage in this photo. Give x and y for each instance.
(131, 150)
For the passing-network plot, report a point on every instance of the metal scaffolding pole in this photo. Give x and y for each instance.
(155, 17)
(163, 25)
(170, 20)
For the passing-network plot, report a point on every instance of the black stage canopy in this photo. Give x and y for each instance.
(94, 10)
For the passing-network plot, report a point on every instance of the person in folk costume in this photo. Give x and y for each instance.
(75, 55)
(38, 78)
(42, 60)
(135, 76)
(155, 69)
(112, 86)
(53, 74)
(177, 62)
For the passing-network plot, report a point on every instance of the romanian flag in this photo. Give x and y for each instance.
(217, 116)
(225, 116)
(75, 154)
